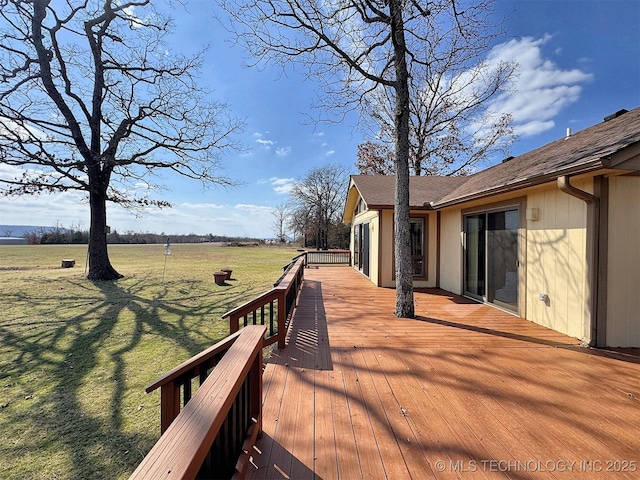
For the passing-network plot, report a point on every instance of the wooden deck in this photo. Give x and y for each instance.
(462, 391)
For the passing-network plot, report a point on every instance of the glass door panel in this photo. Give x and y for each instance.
(502, 261)
(491, 257)
(474, 255)
(356, 246)
(365, 249)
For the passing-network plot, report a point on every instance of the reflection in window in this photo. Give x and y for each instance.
(416, 231)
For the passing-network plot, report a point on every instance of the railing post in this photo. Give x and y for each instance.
(256, 392)
(234, 324)
(222, 420)
(169, 404)
(282, 317)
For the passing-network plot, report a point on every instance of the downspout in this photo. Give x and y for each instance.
(593, 219)
(438, 239)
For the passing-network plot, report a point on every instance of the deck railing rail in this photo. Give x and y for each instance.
(213, 435)
(272, 309)
(328, 257)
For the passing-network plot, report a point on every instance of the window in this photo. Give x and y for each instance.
(418, 261)
(418, 237)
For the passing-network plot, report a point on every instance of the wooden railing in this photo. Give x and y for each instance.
(213, 435)
(272, 309)
(329, 257)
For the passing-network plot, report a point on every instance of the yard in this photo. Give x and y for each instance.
(75, 356)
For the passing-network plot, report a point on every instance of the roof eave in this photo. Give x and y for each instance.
(526, 183)
(425, 206)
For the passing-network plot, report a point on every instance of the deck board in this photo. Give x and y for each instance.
(461, 391)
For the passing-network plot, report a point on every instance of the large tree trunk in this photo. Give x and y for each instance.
(404, 275)
(99, 265)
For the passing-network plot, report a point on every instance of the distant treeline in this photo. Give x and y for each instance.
(79, 236)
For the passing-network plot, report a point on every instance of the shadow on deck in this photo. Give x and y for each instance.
(462, 391)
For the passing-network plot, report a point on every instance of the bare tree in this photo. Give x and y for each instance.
(374, 159)
(93, 99)
(452, 127)
(320, 194)
(361, 47)
(299, 223)
(281, 214)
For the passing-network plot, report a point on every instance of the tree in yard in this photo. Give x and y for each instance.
(92, 99)
(374, 159)
(364, 48)
(452, 127)
(318, 198)
(281, 214)
(300, 222)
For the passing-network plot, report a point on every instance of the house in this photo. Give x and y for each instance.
(552, 236)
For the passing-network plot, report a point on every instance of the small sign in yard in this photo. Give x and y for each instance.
(167, 252)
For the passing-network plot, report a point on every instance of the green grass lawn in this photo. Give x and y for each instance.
(76, 356)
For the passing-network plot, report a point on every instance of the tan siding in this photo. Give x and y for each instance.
(555, 258)
(432, 240)
(365, 216)
(623, 289)
(372, 217)
(386, 250)
(451, 250)
(556, 261)
(374, 250)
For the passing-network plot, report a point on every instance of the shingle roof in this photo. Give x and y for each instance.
(378, 191)
(584, 151)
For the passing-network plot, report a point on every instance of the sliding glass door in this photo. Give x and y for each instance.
(361, 248)
(491, 257)
(474, 255)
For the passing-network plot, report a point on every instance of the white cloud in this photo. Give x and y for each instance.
(13, 131)
(330, 152)
(266, 143)
(256, 210)
(63, 208)
(541, 90)
(283, 151)
(9, 172)
(282, 186)
(533, 128)
(202, 218)
(70, 208)
(201, 206)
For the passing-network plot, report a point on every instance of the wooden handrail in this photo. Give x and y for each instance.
(329, 257)
(183, 449)
(179, 380)
(284, 294)
(211, 352)
(251, 305)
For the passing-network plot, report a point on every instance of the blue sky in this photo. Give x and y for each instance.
(579, 61)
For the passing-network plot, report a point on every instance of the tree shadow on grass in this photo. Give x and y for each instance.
(87, 373)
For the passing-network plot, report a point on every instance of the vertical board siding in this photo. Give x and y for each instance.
(623, 304)
(451, 250)
(386, 250)
(556, 261)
